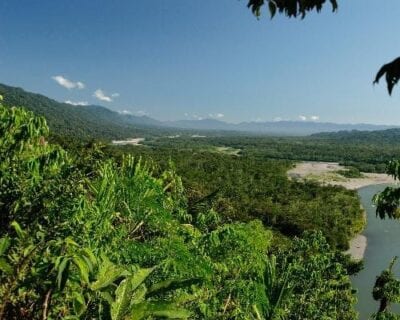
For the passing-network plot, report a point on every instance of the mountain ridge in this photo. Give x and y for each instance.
(95, 121)
(92, 121)
(277, 127)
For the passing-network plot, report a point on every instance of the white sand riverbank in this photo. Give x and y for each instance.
(326, 174)
(357, 247)
(131, 141)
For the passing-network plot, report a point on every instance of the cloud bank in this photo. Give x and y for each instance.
(100, 95)
(77, 103)
(310, 118)
(216, 115)
(64, 82)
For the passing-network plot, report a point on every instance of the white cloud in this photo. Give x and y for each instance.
(216, 115)
(137, 113)
(125, 112)
(77, 103)
(303, 118)
(64, 82)
(277, 119)
(314, 118)
(194, 116)
(142, 113)
(115, 95)
(100, 95)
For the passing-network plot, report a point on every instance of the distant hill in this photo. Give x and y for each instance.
(389, 136)
(81, 121)
(281, 128)
(101, 123)
(205, 124)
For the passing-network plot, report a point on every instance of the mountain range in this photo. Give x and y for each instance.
(95, 121)
(281, 128)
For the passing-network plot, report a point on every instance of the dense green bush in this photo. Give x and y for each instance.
(246, 187)
(85, 237)
(76, 239)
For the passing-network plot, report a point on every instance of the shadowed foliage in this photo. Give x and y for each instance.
(387, 202)
(386, 291)
(392, 72)
(290, 8)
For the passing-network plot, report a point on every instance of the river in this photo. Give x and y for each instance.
(383, 245)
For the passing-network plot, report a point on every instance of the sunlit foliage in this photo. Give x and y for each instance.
(84, 236)
(107, 240)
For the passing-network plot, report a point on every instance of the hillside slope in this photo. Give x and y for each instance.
(92, 121)
(79, 121)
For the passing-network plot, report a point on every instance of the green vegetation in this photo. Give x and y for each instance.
(350, 172)
(84, 235)
(327, 285)
(72, 125)
(241, 188)
(369, 155)
(79, 122)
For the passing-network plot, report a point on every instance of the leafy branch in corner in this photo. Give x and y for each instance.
(290, 8)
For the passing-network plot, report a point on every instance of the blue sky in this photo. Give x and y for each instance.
(177, 59)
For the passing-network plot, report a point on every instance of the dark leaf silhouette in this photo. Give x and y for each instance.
(392, 71)
(291, 8)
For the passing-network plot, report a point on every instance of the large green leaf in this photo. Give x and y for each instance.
(63, 271)
(140, 276)
(158, 309)
(83, 267)
(5, 266)
(4, 245)
(123, 294)
(18, 229)
(78, 303)
(168, 285)
(108, 273)
(139, 294)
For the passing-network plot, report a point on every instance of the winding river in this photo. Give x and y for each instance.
(383, 245)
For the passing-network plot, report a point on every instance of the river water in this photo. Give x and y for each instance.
(383, 245)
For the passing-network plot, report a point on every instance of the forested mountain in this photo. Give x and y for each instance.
(279, 128)
(98, 122)
(79, 121)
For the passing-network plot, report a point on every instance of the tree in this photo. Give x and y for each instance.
(386, 291)
(387, 288)
(290, 8)
(392, 71)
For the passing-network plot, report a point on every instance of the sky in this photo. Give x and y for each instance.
(192, 59)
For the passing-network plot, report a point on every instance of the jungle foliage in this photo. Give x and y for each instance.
(242, 188)
(366, 151)
(85, 236)
(71, 125)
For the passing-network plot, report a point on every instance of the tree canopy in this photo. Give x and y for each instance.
(290, 8)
